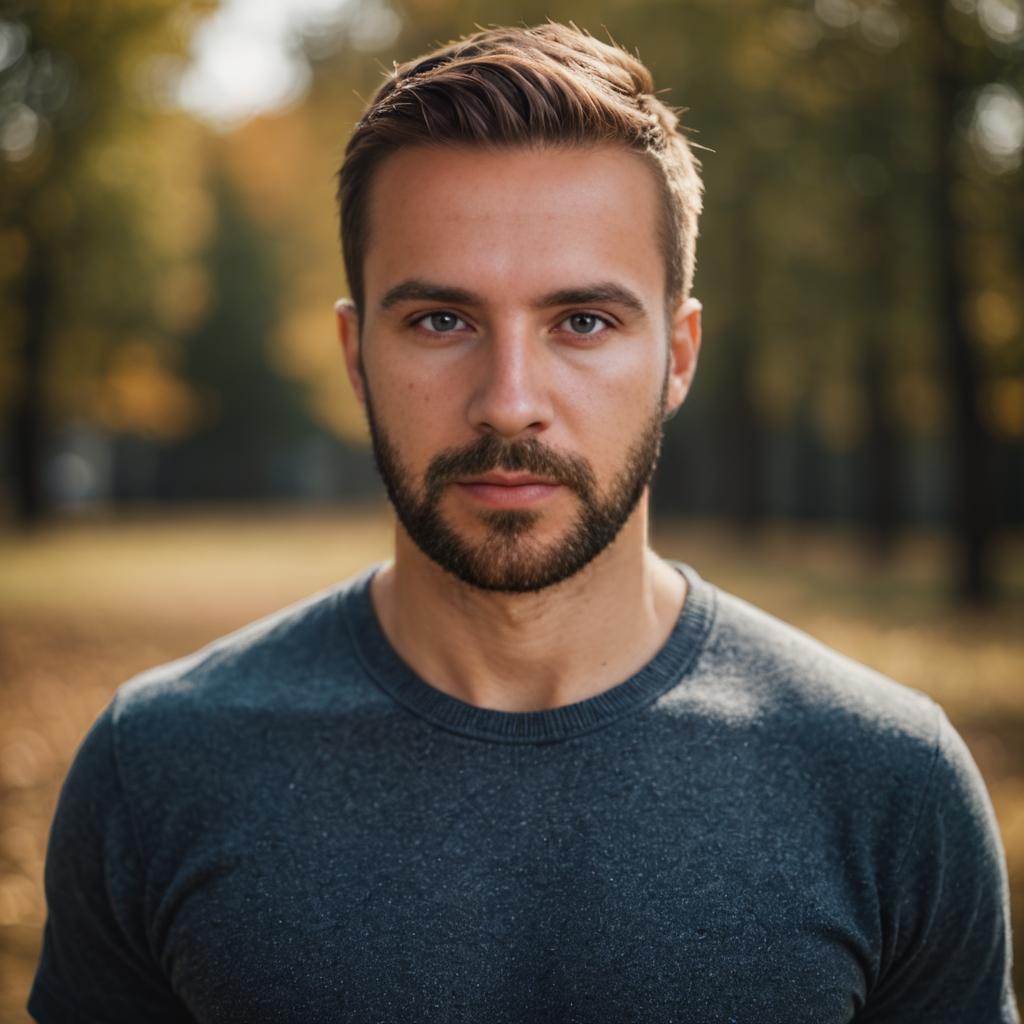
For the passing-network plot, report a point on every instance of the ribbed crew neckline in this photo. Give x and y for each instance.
(668, 667)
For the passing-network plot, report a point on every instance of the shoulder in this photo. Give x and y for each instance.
(299, 659)
(876, 759)
(810, 699)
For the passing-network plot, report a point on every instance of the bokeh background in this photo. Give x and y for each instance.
(181, 451)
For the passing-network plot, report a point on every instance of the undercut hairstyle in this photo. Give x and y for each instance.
(549, 85)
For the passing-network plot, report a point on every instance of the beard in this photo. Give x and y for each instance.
(510, 559)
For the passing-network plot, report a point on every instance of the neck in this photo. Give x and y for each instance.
(529, 652)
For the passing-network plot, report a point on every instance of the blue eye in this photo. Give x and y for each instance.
(586, 323)
(439, 323)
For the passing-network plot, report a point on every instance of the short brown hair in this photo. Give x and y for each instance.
(550, 84)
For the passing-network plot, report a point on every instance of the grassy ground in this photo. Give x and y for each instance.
(86, 605)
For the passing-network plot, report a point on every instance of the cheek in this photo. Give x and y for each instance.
(401, 395)
(615, 396)
(416, 416)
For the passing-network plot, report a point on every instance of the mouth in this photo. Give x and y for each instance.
(502, 490)
(510, 480)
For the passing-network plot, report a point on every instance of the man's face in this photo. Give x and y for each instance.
(514, 324)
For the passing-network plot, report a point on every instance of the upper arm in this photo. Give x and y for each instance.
(950, 933)
(96, 964)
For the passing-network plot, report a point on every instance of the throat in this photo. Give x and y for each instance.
(509, 656)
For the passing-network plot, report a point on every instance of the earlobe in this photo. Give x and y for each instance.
(347, 320)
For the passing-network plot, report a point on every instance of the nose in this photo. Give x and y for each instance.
(512, 396)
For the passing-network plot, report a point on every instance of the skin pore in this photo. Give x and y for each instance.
(515, 321)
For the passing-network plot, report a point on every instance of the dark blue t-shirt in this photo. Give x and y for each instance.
(292, 826)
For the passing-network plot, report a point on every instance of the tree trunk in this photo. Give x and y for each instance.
(29, 417)
(882, 496)
(741, 429)
(972, 500)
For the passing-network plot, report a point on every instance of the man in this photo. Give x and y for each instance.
(527, 770)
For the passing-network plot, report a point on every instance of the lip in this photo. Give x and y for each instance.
(498, 491)
(509, 480)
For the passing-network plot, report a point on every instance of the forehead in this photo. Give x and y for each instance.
(512, 223)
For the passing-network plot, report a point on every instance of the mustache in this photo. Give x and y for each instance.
(490, 452)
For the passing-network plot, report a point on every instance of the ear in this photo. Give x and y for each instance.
(684, 348)
(348, 334)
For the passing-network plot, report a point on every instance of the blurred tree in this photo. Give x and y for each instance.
(957, 61)
(911, 75)
(248, 412)
(283, 167)
(71, 84)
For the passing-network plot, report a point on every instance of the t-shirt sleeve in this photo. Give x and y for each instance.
(950, 950)
(96, 965)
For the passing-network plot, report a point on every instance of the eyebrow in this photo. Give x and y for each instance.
(417, 288)
(603, 291)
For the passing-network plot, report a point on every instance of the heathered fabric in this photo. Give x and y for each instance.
(291, 826)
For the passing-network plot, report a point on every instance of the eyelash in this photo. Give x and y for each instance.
(418, 321)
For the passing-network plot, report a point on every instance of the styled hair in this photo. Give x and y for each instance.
(549, 85)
